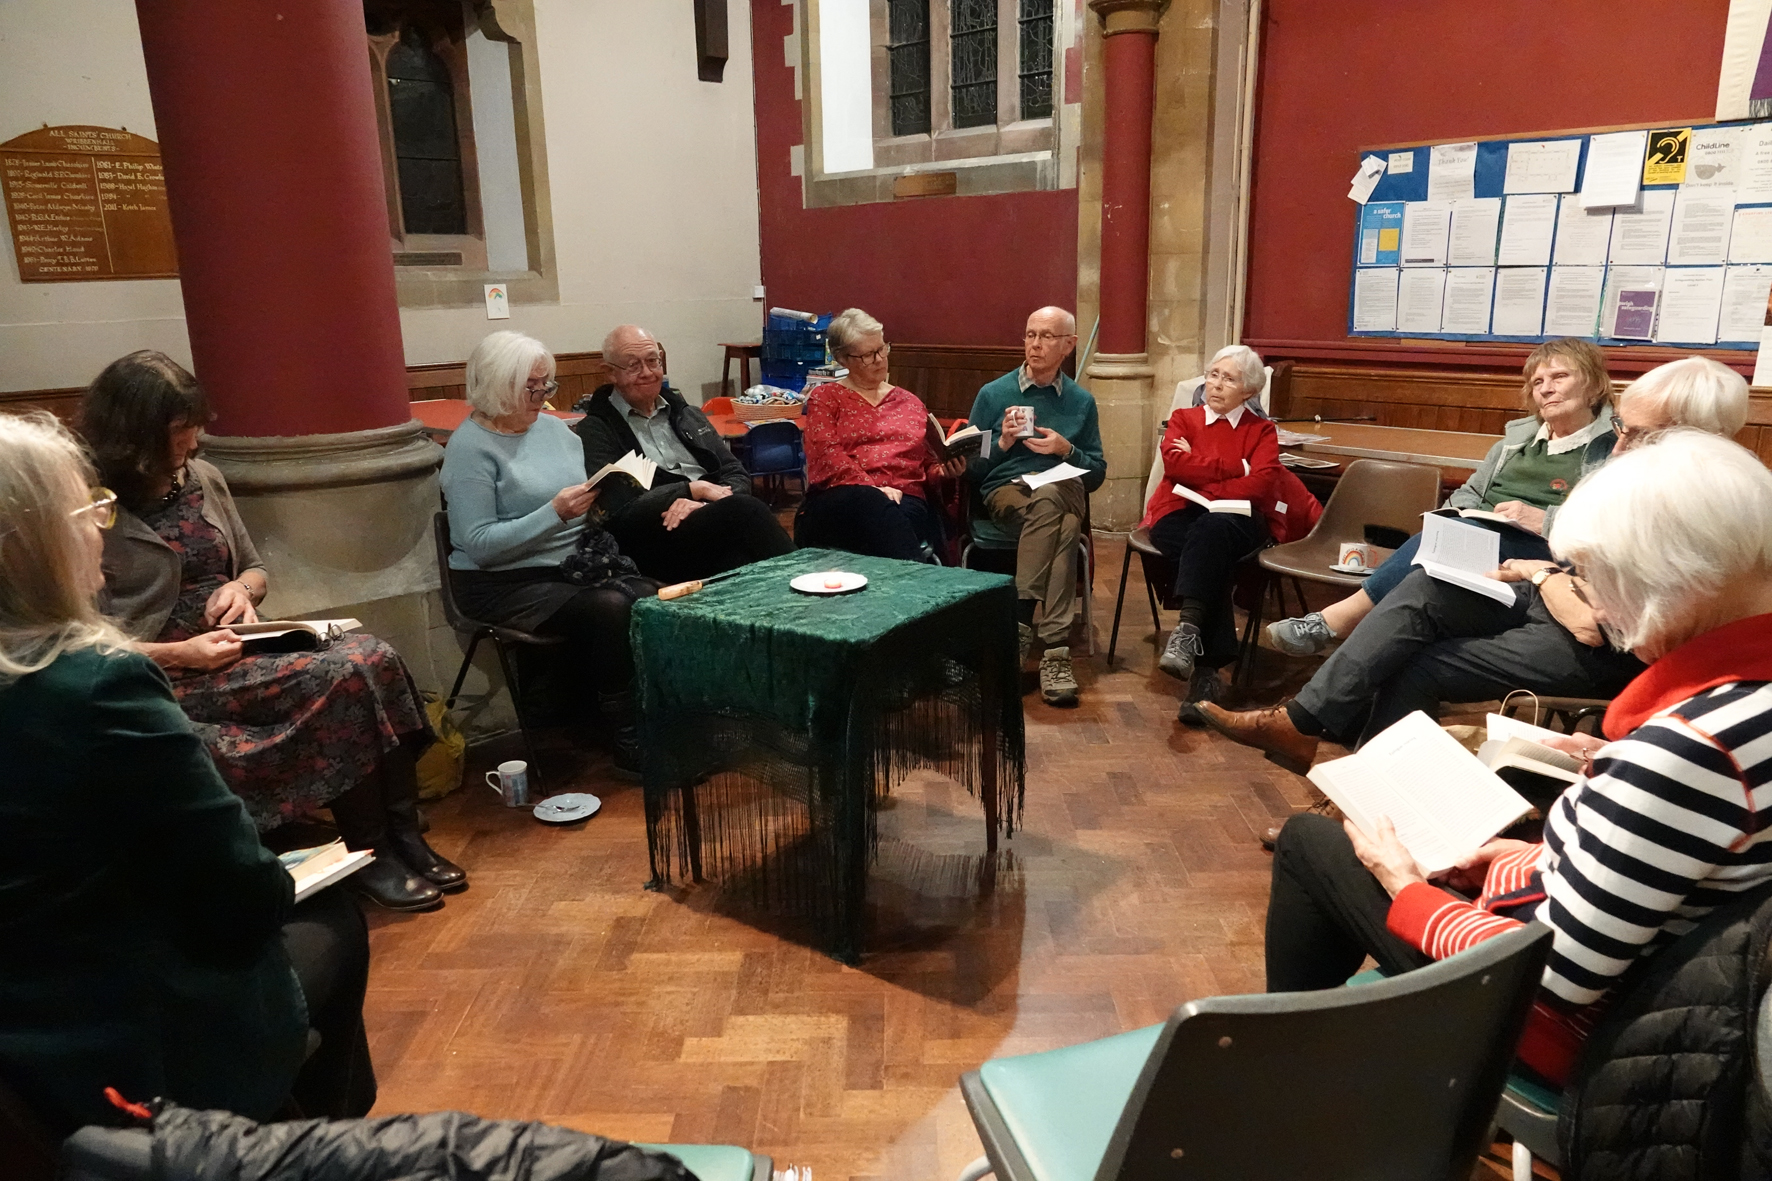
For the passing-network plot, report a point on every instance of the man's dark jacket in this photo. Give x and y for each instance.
(607, 437)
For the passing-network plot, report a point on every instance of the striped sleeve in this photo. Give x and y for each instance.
(1439, 924)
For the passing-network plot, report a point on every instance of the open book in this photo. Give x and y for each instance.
(290, 635)
(1240, 507)
(1483, 514)
(1463, 555)
(317, 868)
(1442, 800)
(1514, 743)
(967, 440)
(633, 465)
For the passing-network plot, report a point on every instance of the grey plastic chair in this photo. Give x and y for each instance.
(1397, 1079)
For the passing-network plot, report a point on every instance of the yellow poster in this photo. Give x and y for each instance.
(1666, 161)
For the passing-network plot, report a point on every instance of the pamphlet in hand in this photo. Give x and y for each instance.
(1513, 743)
(274, 636)
(317, 868)
(1241, 508)
(1443, 802)
(966, 441)
(633, 465)
(1483, 514)
(1052, 475)
(1463, 555)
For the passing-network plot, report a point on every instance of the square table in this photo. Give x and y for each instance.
(775, 722)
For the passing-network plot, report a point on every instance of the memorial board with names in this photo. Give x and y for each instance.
(87, 203)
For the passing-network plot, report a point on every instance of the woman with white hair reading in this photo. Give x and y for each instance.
(1669, 820)
(522, 533)
(1218, 451)
(150, 937)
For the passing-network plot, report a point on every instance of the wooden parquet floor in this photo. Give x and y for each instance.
(555, 988)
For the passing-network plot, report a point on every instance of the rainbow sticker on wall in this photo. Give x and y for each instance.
(498, 302)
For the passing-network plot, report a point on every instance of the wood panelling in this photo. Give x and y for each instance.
(947, 376)
(61, 403)
(1440, 399)
(579, 375)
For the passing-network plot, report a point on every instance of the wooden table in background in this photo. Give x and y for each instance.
(442, 416)
(731, 426)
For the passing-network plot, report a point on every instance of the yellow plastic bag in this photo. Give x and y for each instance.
(440, 767)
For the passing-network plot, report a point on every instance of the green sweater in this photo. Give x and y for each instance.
(140, 917)
(1065, 406)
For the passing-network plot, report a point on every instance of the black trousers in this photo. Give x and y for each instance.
(863, 520)
(328, 944)
(594, 623)
(1326, 912)
(721, 535)
(1429, 642)
(1207, 547)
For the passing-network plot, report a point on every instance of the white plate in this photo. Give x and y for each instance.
(567, 807)
(818, 584)
(1340, 569)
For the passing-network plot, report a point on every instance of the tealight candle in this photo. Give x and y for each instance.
(833, 581)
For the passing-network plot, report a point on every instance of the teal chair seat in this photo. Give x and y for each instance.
(717, 1162)
(1062, 1105)
(987, 534)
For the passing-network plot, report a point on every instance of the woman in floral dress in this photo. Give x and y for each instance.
(340, 726)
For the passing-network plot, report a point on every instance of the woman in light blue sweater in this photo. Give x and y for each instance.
(519, 510)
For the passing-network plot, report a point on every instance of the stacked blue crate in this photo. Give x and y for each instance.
(790, 348)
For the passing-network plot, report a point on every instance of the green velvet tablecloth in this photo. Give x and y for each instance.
(774, 720)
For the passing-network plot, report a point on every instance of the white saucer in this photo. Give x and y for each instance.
(567, 807)
(1340, 569)
(815, 584)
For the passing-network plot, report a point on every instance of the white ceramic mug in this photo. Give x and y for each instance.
(1024, 417)
(511, 782)
(1358, 555)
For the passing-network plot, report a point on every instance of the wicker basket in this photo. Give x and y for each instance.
(767, 411)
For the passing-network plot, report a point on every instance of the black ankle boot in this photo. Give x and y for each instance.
(624, 734)
(387, 882)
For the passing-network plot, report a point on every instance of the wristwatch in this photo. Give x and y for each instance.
(1538, 576)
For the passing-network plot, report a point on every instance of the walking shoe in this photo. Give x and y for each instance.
(1207, 686)
(1024, 640)
(1267, 730)
(1178, 654)
(1322, 808)
(1058, 685)
(1305, 636)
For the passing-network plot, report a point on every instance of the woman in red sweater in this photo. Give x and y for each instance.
(1223, 450)
(866, 455)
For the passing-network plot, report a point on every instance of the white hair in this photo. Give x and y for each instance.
(849, 326)
(1695, 392)
(1664, 533)
(46, 606)
(499, 369)
(1248, 364)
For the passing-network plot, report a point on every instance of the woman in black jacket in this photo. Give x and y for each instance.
(151, 943)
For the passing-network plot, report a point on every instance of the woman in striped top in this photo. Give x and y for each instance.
(1674, 813)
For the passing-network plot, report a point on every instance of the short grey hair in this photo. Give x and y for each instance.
(849, 326)
(1695, 392)
(499, 369)
(1663, 534)
(1248, 364)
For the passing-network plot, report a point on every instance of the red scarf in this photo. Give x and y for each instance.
(1739, 651)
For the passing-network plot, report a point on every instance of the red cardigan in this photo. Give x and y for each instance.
(1226, 463)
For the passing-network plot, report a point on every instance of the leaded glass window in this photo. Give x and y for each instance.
(907, 47)
(973, 44)
(1036, 59)
(427, 151)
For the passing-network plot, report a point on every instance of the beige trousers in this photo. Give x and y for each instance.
(1049, 523)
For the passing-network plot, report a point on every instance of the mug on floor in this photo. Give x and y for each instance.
(511, 782)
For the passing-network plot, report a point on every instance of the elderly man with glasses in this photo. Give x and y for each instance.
(699, 517)
(1037, 418)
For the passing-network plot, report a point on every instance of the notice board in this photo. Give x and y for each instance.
(87, 203)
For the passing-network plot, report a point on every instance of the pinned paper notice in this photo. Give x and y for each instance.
(1401, 162)
(498, 302)
(1614, 169)
(1366, 179)
(1451, 172)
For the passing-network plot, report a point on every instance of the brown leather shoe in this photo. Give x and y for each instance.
(1271, 835)
(1267, 730)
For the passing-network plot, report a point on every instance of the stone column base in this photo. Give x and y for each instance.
(343, 523)
(1122, 385)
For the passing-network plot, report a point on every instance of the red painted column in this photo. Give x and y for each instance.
(1130, 28)
(273, 172)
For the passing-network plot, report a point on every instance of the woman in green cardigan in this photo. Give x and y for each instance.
(151, 943)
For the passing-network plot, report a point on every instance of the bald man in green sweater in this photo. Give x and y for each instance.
(1047, 521)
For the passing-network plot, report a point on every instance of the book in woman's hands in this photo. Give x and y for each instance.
(633, 465)
(1513, 743)
(1443, 802)
(1240, 507)
(317, 868)
(966, 441)
(272, 636)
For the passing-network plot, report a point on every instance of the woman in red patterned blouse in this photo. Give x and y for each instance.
(866, 458)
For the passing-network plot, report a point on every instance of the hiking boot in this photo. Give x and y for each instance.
(1058, 685)
(1178, 654)
(1304, 636)
(1208, 687)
